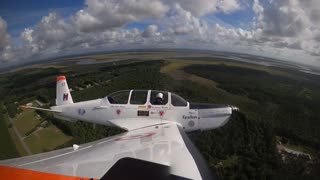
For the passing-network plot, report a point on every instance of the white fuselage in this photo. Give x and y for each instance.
(131, 116)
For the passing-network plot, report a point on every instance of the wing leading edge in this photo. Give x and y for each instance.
(165, 146)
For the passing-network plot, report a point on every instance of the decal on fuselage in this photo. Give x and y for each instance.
(154, 112)
(159, 107)
(143, 113)
(187, 117)
(65, 96)
(81, 112)
(161, 113)
(118, 111)
(191, 123)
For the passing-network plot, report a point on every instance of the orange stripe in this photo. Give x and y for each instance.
(61, 78)
(23, 107)
(19, 174)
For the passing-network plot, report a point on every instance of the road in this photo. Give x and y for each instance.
(39, 103)
(26, 148)
(292, 151)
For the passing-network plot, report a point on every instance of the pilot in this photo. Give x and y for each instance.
(159, 99)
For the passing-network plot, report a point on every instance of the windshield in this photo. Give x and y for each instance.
(119, 97)
(176, 100)
(138, 97)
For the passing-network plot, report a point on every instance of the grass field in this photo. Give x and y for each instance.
(26, 121)
(230, 161)
(174, 65)
(21, 151)
(179, 64)
(46, 139)
(301, 148)
(17, 143)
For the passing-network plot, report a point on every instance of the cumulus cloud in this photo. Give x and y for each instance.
(283, 18)
(202, 7)
(53, 34)
(151, 30)
(5, 47)
(100, 14)
(228, 6)
(289, 24)
(49, 35)
(183, 22)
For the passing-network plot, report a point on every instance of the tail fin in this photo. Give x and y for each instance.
(63, 95)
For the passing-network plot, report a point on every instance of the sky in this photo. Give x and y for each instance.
(39, 29)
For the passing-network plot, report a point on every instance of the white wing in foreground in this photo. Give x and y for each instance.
(155, 152)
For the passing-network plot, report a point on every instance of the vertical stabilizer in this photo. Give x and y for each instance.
(63, 95)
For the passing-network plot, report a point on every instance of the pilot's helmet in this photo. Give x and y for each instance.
(159, 95)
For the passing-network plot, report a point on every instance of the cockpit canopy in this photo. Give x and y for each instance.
(144, 97)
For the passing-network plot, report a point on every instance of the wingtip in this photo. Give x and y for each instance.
(23, 107)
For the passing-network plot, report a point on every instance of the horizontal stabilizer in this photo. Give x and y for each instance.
(41, 109)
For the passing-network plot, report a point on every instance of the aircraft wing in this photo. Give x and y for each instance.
(155, 152)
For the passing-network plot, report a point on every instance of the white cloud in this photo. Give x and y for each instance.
(5, 47)
(283, 18)
(202, 7)
(228, 6)
(289, 24)
(183, 22)
(101, 15)
(54, 35)
(151, 30)
(49, 35)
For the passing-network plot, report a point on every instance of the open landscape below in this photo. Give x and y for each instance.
(274, 135)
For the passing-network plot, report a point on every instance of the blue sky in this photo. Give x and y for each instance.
(23, 14)
(36, 29)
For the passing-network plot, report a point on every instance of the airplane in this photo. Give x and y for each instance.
(154, 146)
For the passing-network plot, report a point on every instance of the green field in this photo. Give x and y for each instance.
(26, 121)
(301, 148)
(180, 64)
(46, 139)
(17, 143)
(230, 161)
